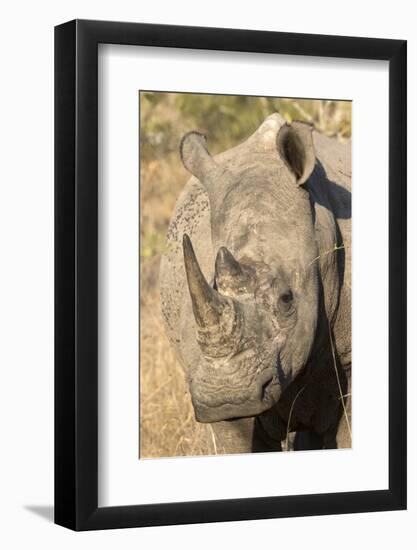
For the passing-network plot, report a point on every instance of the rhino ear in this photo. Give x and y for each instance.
(195, 156)
(295, 147)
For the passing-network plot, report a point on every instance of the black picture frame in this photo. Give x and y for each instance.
(76, 272)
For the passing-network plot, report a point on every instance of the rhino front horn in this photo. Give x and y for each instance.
(215, 315)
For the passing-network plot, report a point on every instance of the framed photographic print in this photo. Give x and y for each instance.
(230, 251)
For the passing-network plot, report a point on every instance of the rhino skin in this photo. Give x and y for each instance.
(255, 288)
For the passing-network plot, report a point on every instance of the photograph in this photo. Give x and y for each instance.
(184, 292)
(245, 274)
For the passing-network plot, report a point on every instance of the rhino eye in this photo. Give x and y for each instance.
(287, 297)
(286, 303)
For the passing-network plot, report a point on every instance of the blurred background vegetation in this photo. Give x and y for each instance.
(226, 121)
(167, 426)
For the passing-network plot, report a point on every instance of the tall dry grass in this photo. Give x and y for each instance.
(167, 424)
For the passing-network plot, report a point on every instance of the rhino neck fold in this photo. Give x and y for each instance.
(330, 250)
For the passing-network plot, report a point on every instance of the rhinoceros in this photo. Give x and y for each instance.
(255, 287)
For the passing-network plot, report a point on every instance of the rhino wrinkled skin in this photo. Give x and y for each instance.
(256, 287)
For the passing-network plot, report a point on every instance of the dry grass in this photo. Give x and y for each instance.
(167, 424)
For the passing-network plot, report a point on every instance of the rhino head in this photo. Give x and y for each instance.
(255, 321)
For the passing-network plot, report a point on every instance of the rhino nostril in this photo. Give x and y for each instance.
(266, 389)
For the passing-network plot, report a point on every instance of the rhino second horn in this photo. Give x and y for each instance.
(228, 271)
(226, 264)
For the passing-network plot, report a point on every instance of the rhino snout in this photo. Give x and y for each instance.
(217, 402)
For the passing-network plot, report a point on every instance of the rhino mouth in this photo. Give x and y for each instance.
(228, 411)
(267, 390)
